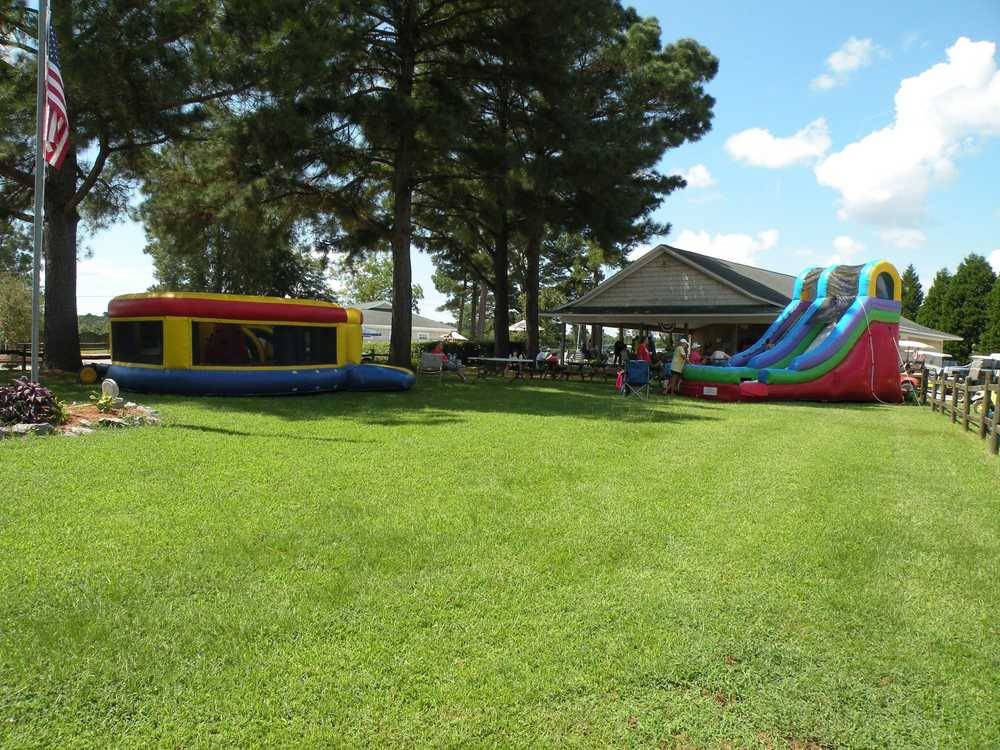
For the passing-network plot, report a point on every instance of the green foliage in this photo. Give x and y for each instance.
(932, 311)
(211, 229)
(965, 312)
(104, 402)
(370, 280)
(15, 246)
(15, 309)
(913, 293)
(358, 569)
(990, 341)
(94, 326)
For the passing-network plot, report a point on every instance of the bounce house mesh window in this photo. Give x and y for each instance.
(139, 342)
(252, 345)
(884, 286)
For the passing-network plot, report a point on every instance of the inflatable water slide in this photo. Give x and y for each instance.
(236, 345)
(835, 341)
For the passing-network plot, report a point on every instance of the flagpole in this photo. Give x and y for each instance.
(36, 261)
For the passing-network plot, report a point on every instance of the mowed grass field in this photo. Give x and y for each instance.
(502, 565)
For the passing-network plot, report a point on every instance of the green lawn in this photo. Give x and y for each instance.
(493, 565)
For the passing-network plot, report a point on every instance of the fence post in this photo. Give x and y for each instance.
(966, 402)
(993, 444)
(984, 406)
(923, 385)
(934, 394)
(954, 400)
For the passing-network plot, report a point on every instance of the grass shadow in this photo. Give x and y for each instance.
(438, 406)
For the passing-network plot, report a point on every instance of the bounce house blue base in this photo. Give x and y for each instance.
(207, 382)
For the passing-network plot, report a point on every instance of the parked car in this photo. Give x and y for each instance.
(981, 363)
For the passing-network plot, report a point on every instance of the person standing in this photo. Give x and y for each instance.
(677, 366)
(620, 349)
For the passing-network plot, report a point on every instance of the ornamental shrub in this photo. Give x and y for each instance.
(24, 402)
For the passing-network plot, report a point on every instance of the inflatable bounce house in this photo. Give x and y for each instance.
(835, 341)
(223, 344)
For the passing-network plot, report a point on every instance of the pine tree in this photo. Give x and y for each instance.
(990, 341)
(932, 310)
(212, 229)
(913, 293)
(964, 305)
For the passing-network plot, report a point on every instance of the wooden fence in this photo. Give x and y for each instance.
(974, 406)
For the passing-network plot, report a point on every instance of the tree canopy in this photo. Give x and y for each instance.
(932, 310)
(370, 280)
(965, 311)
(913, 293)
(266, 136)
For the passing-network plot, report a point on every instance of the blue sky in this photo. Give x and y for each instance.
(819, 151)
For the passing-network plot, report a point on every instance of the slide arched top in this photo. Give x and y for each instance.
(881, 279)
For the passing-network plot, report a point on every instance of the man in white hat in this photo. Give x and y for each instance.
(677, 366)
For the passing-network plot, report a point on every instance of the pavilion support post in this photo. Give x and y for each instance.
(562, 342)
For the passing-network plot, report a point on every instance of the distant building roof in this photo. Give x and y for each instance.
(909, 329)
(380, 314)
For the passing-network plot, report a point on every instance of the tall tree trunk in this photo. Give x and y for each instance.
(62, 334)
(484, 294)
(533, 251)
(461, 302)
(402, 190)
(473, 306)
(501, 290)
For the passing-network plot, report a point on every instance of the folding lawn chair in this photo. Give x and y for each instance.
(432, 364)
(636, 379)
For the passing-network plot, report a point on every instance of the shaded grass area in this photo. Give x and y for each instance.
(530, 564)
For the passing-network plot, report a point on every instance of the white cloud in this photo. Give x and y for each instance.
(845, 249)
(823, 82)
(852, 55)
(906, 239)
(759, 148)
(995, 260)
(697, 176)
(741, 248)
(884, 178)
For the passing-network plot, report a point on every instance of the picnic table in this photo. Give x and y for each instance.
(501, 365)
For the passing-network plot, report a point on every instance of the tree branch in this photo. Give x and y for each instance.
(91, 179)
(11, 172)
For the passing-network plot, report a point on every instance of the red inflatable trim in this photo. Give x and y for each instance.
(193, 307)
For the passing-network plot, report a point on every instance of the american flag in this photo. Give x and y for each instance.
(56, 131)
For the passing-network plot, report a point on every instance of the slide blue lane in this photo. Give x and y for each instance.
(775, 332)
(787, 344)
(853, 318)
